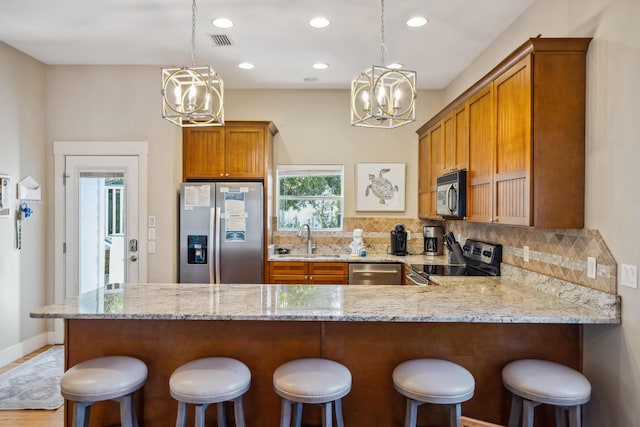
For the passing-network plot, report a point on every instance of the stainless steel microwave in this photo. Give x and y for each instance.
(451, 194)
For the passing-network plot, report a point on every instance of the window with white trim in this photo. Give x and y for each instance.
(310, 194)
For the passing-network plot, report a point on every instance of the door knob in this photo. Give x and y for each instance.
(133, 258)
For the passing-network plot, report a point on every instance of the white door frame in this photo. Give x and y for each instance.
(61, 149)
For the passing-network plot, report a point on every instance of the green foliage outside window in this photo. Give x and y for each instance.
(310, 196)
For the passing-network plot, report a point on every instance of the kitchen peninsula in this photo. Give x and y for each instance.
(481, 323)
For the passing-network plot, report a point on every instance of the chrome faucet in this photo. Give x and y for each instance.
(309, 241)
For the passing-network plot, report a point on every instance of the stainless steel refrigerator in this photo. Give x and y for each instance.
(221, 232)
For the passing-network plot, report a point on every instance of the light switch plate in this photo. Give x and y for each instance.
(151, 247)
(152, 233)
(525, 253)
(152, 221)
(591, 267)
(629, 275)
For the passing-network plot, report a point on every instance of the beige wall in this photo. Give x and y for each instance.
(102, 103)
(23, 282)
(611, 353)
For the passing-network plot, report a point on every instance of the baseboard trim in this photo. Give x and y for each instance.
(16, 351)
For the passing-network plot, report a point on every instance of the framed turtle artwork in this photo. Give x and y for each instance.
(380, 186)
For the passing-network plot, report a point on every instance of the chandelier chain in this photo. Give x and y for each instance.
(193, 34)
(382, 48)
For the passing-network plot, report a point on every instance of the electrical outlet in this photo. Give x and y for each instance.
(151, 247)
(629, 275)
(525, 253)
(408, 235)
(591, 267)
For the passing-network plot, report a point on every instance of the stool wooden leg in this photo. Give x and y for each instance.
(327, 414)
(200, 414)
(238, 412)
(222, 415)
(127, 415)
(455, 411)
(561, 420)
(339, 419)
(81, 411)
(181, 420)
(411, 415)
(297, 414)
(527, 413)
(285, 416)
(575, 416)
(516, 411)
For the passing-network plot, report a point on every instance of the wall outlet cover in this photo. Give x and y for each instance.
(629, 276)
(591, 267)
(525, 253)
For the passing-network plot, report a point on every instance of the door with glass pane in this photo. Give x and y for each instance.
(101, 222)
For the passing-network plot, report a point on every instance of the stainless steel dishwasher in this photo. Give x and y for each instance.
(375, 274)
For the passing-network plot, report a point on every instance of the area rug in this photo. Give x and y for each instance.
(34, 384)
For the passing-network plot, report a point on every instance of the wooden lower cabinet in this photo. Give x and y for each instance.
(317, 273)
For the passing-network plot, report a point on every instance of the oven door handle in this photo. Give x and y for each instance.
(411, 277)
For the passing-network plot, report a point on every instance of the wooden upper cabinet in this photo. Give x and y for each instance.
(512, 174)
(203, 152)
(525, 130)
(238, 150)
(423, 176)
(481, 152)
(461, 136)
(244, 155)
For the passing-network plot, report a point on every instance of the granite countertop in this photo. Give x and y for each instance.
(386, 258)
(466, 299)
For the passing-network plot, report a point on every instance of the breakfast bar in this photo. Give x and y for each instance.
(480, 323)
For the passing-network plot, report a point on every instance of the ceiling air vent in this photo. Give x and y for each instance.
(221, 40)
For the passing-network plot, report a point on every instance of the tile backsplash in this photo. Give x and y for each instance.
(556, 253)
(561, 254)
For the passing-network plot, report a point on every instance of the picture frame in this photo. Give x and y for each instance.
(380, 187)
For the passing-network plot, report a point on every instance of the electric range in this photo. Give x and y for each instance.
(479, 259)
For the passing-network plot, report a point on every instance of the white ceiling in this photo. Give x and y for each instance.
(274, 35)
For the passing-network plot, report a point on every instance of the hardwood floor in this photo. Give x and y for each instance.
(30, 418)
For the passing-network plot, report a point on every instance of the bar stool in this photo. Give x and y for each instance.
(105, 378)
(433, 381)
(319, 381)
(210, 380)
(533, 382)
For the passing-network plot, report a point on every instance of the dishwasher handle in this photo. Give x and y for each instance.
(375, 274)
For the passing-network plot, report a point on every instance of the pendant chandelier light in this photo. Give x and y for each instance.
(383, 97)
(192, 96)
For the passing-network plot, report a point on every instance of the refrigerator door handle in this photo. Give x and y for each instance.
(217, 245)
(210, 249)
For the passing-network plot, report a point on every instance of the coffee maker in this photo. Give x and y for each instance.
(433, 240)
(399, 240)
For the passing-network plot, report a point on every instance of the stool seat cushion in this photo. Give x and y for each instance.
(103, 378)
(312, 380)
(209, 380)
(434, 381)
(546, 382)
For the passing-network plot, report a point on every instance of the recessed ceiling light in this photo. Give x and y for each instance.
(222, 23)
(245, 65)
(416, 21)
(320, 66)
(319, 22)
(395, 66)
